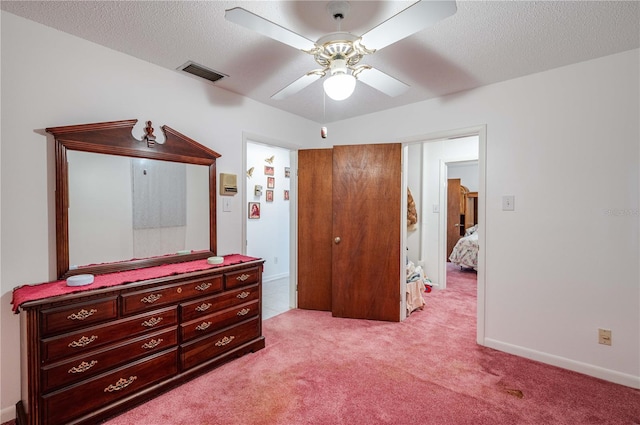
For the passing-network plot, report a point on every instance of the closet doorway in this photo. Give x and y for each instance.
(268, 215)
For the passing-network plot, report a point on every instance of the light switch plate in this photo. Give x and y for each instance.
(508, 203)
(226, 204)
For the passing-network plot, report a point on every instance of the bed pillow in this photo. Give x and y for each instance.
(471, 230)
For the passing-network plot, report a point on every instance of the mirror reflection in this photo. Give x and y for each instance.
(123, 208)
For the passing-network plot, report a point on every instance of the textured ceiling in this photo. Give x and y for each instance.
(483, 43)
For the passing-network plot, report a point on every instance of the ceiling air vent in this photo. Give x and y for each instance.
(202, 72)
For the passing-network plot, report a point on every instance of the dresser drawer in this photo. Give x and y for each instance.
(205, 306)
(201, 350)
(72, 344)
(241, 278)
(218, 320)
(134, 302)
(73, 402)
(97, 361)
(56, 320)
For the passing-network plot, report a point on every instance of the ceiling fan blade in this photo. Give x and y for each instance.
(297, 85)
(382, 82)
(272, 30)
(415, 18)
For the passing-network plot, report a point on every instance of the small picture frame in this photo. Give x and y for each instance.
(269, 195)
(271, 182)
(254, 210)
(286, 195)
(287, 172)
(269, 170)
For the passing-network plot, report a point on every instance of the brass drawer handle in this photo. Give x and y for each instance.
(243, 277)
(203, 326)
(243, 312)
(242, 295)
(152, 344)
(203, 286)
(152, 322)
(224, 341)
(203, 307)
(83, 367)
(120, 385)
(150, 299)
(83, 342)
(82, 314)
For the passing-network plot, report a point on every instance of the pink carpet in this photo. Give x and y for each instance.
(317, 369)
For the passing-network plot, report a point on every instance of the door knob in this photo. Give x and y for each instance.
(337, 240)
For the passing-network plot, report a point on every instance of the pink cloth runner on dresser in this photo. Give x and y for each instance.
(39, 291)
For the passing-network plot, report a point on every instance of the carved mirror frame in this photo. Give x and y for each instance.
(116, 138)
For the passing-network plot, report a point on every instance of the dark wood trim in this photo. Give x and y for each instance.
(21, 415)
(116, 138)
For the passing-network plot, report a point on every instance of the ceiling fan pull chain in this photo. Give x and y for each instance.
(323, 129)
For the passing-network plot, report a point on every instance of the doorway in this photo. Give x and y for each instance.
(426, 170)
(268, 211)
(462, 179)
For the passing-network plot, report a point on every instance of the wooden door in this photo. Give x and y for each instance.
(314, 229)
(453, 214)
(366, 231)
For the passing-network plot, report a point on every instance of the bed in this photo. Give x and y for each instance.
(465, 251)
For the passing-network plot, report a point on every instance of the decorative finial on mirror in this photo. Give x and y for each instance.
(150, 138)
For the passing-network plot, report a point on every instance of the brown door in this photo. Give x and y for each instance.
(453, 214)
(314, 229)
(366, 231)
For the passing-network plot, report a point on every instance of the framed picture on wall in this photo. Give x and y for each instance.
(269, 195)
(271, 182)
(286, 195)
(254, 209)
(268, 170)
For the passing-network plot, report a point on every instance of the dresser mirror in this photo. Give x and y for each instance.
(124, 203)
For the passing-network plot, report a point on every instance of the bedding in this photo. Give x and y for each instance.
(465, 252)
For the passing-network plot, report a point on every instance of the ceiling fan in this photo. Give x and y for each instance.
(339, 53)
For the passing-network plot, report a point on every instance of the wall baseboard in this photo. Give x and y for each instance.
(7, 414)
(274, 277)
(564, 363)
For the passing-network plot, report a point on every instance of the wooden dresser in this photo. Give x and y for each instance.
(93, 354)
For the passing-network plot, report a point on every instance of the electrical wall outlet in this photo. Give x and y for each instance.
(604, 336)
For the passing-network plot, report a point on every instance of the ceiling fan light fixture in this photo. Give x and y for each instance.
(341, 84)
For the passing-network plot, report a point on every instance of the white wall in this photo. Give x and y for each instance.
(100, 208)
(415, 183)
(268, 236)
(467, 173)
(50, 78)
(565, 262)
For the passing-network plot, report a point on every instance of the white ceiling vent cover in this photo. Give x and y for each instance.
(202, 72)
